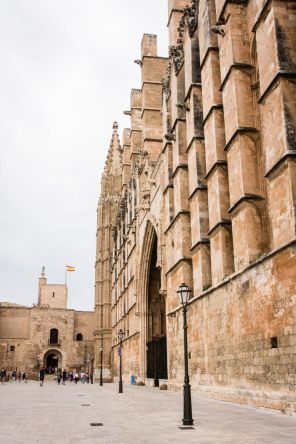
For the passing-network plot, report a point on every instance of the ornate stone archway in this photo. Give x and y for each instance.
(150, 308)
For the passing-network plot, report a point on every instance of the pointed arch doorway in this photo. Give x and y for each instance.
(156, 349)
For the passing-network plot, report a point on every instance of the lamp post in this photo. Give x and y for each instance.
(101, 375)
(88, 370)
(92, 369)
(183, 294)
(120, 336)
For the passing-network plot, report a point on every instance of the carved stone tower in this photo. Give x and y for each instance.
(106, 218)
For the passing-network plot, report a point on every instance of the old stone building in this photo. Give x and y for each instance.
(202, 190)
(47, 334)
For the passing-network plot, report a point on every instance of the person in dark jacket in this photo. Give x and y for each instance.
(3, 376)
(64, 376)
(41, 376)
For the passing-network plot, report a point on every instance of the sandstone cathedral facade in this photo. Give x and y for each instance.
(202, 190)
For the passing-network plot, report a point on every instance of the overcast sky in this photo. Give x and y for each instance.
(66, 70)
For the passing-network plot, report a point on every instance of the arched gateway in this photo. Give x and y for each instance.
(153, 329)
(53, 358)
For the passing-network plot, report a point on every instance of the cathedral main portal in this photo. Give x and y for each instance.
(156, 323)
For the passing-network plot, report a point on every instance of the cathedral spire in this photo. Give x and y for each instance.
(114, 157)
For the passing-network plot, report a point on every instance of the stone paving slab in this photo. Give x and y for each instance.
(54, 414)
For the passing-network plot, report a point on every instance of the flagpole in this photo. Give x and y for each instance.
(65, 274)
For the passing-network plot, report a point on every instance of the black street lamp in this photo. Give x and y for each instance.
(101, 375)
(92, 369)
(120, 336)
(183, 294)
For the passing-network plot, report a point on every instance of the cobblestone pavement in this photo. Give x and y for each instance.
(63, 414)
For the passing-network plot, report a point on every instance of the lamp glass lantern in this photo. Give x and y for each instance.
(120, 334)
(101, 348)
(183, 294)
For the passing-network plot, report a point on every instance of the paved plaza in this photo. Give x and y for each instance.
(63, 414)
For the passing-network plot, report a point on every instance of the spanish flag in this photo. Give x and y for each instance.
(68, 268)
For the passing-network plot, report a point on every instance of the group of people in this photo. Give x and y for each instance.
(59, 376)
(5, 377)
(64, 376)
(72, 376)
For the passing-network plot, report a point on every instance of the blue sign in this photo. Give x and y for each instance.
(119, 351)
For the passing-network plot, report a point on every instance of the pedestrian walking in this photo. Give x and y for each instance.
(13, 375)
(19, 376)
(76, 378)
(25, 377)
(64, 376)
(3, 376)
(41, 376)
(58, 377)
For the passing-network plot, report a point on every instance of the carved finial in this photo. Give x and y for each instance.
(138, 62)
(43, 269)
(218, 30)
(115, 126)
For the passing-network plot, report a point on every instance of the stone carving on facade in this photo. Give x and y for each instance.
(183, 106)
(166, 82)
(146, 196)
(190, 16)
(123, 206)
(118, 220)
(114, 233)
(176, 53)
(218, 30)
(140, 169)
(188, 20)
(170, 136)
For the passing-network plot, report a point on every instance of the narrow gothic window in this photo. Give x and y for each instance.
(79, 337)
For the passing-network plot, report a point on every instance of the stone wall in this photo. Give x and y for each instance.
(15, 322)
(242, 336)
